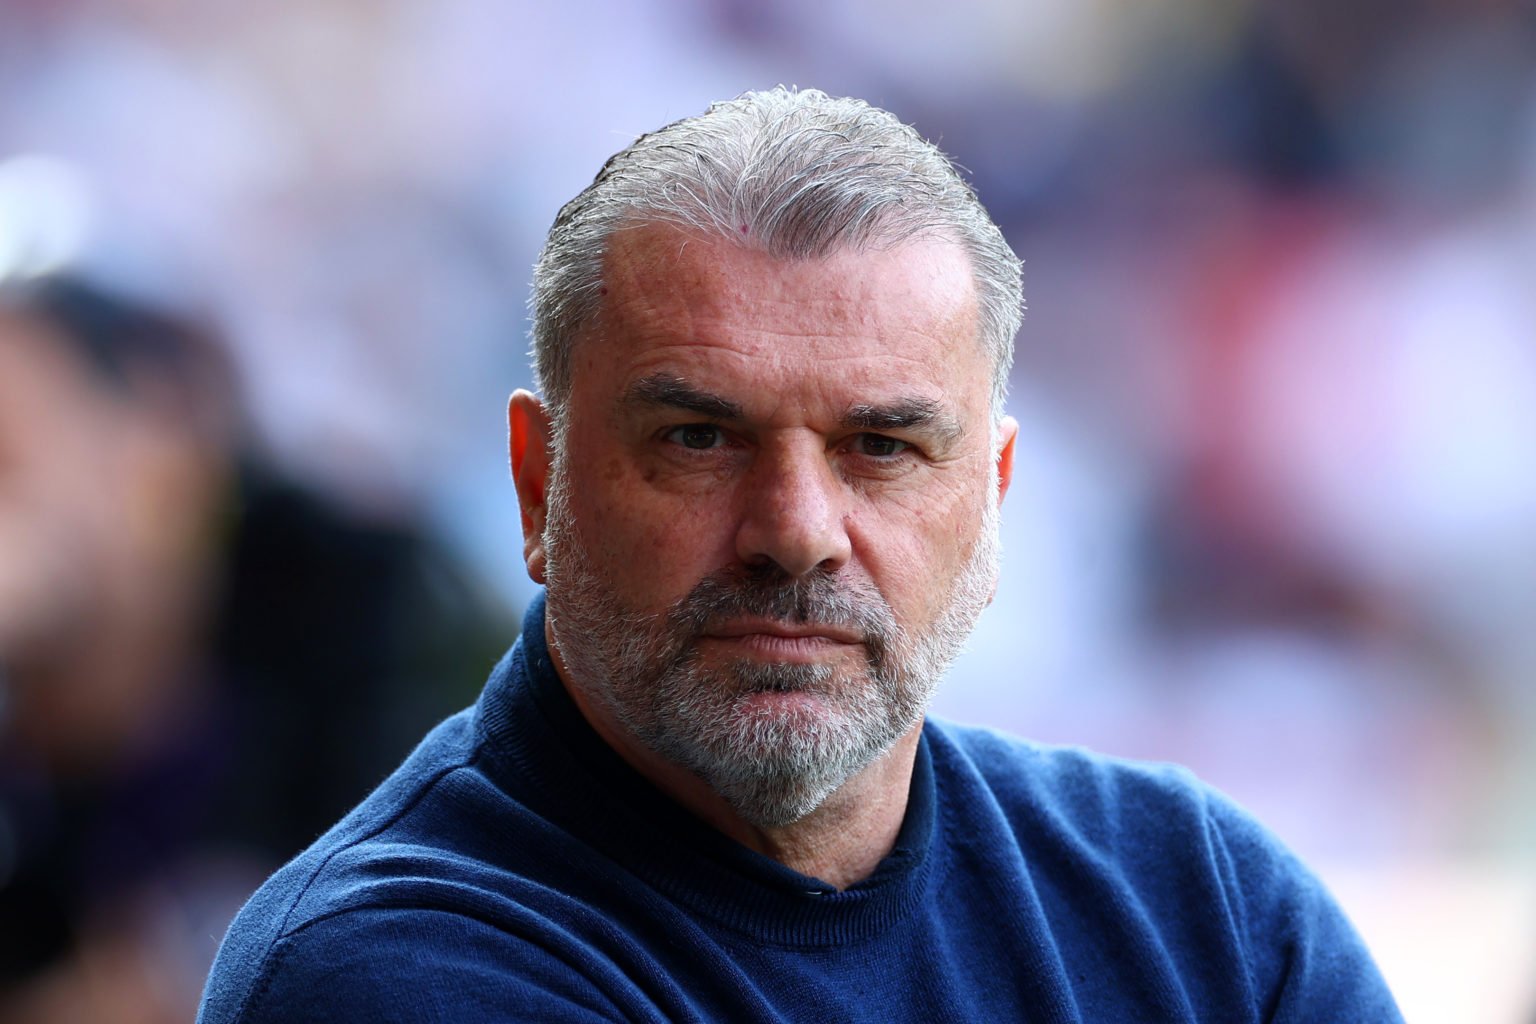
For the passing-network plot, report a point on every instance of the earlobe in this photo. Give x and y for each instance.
(1007, 433)
(528, 449)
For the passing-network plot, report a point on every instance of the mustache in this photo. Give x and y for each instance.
(818, 599)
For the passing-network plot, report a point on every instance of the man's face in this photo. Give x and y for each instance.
(772, 520)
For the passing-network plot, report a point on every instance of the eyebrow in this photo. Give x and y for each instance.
(905, 414)
(670, 390)
(913, 413)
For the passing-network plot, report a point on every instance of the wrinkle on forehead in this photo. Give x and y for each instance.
(663, 280)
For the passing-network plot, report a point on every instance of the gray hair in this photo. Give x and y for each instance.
(805, 174)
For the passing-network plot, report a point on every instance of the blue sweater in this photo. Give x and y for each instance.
(515, 869)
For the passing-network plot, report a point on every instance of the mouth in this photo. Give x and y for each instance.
(747, 627)
(784, 641)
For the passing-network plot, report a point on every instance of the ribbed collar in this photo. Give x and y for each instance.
(541, 750)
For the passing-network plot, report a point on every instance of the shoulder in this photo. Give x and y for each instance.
(1190, 874)
(1126, 815)
(408, 964)
(389, 854)
(427, 906)
(1071, 784)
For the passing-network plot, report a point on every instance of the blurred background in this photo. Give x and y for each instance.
(262, 281)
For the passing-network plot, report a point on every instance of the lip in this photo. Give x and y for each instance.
(742, 628)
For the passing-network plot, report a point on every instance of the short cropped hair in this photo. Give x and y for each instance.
(806, 175)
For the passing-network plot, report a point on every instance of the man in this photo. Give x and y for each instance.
(762, 492)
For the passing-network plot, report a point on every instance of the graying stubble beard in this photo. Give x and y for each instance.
(773, 770)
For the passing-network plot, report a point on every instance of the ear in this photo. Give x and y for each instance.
(528, 447)
(1007, 433)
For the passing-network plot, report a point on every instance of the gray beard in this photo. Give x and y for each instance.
(773, 767)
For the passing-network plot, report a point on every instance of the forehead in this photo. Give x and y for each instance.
(676, 300)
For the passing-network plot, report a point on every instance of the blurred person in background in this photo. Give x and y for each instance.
(201, 664)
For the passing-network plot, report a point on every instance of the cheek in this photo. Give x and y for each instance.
(647, 543)
(914, 549)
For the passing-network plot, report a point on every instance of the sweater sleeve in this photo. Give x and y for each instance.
(414, 966)
(1306, 961)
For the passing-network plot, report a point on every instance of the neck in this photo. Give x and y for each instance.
(841, 842)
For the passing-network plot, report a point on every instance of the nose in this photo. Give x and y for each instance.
(794, 514)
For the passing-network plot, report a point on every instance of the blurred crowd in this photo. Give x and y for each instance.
(1275, 514)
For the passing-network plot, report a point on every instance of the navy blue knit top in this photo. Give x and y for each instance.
(516, 869)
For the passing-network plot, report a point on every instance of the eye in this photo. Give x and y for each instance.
(879, 446)
(698, 436)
